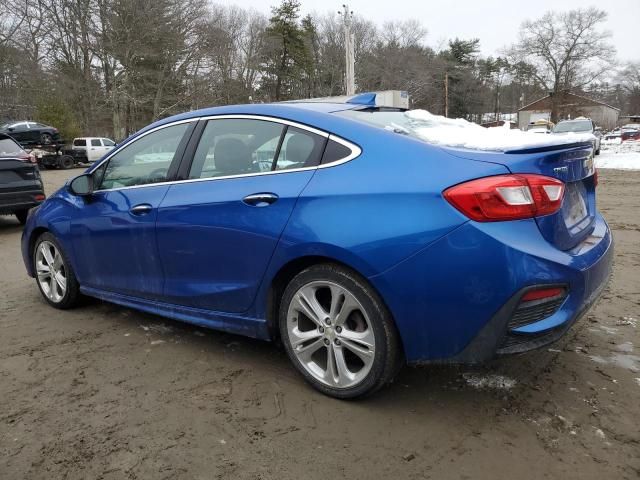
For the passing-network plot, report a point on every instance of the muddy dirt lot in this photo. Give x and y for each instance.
(106, 392)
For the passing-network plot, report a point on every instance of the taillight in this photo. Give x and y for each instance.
(507, 197)
(28, 157)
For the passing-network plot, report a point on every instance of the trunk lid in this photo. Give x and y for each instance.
(17, 175)
(573, 164)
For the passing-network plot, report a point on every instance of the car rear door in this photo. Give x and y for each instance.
(218, 229)
(113, 230)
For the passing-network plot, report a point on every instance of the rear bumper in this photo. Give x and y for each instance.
(453, 301)
(11, 202)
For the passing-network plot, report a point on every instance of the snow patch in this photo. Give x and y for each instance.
(498, 382)
(620, 156)
(458, 132)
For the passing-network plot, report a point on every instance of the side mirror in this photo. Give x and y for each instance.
(11, 129)
(82, 185)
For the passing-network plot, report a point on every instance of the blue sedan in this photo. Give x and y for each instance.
(334, 228)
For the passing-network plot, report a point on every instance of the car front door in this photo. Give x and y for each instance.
(218, 229)
(95, 150)
(114, 229)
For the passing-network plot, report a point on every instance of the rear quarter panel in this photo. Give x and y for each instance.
(378, 209)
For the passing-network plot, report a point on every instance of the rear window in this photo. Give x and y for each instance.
(9, 148)
(79, 142)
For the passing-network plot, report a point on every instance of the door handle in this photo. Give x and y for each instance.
(141, 209)
(260, 199)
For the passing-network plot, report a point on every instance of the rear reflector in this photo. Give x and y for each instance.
(39, 198)
(542, 293)
(507, 197)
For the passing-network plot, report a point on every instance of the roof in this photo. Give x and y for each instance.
(543, 103)
(382, 99)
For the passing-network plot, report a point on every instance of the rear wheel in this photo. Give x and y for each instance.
(54, 275)
(65, 162)
(21, 215)
(337, 332)
(46, 139)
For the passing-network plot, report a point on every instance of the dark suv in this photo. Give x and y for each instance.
(20, 183)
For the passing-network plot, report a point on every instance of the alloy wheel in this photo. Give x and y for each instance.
(51, 271)
(331, 334)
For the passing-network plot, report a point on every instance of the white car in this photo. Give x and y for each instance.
(93, 147)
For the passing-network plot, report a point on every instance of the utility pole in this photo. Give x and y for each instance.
(350, 57)
(446, 94)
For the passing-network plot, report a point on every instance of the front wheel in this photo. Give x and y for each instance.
(54, 275)
(337, 332)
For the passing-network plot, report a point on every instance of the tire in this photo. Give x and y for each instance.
(65, 162)
(55, 297)
(46, 139)
(21, 215)
(346, 355)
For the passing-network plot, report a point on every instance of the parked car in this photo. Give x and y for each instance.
(31, 133)
(94, 148)
(359, 245)
(580, 125)
(630, 132)
(20, 184)
(540, 126)
(614, 134)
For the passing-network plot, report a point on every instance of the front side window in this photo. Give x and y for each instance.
(236, 147)
(146, 160)
(108, 143)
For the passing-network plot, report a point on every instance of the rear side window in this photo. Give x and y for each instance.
(9, 148)
(79, 142)
(95, 142)
(335, 152)
(300, 149)
(236, 147)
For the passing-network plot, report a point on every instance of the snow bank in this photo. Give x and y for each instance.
(620, 156)
(461, 133)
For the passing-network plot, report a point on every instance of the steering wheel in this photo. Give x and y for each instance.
(158, 173)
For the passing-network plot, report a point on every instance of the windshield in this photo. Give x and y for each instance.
(574, 126)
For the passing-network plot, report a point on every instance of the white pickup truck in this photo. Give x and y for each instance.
(93, 147)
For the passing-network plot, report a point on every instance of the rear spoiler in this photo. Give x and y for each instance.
(552, 148)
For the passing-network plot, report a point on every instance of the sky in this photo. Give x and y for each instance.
(494, 22)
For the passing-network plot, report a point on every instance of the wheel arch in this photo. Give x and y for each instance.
(35, 234)
(288, 271)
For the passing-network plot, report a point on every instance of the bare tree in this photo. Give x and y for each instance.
(568, 49)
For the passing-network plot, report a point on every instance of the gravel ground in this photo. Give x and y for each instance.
(107, 392)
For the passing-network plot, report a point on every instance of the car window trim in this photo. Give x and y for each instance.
(196, 135)
(173, 166)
